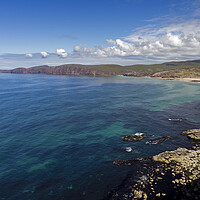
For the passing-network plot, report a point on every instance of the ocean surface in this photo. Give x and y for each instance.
(59, 134)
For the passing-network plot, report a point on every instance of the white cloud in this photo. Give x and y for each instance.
(176, 41)
(149, 44)
(44, 54)
(62, 53)
(29, 55)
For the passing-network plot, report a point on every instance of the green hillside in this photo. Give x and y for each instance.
(181, 69)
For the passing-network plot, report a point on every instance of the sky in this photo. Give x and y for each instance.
(125, 32)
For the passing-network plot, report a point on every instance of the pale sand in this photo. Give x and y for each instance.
(181, 79)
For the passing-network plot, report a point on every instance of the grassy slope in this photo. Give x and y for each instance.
(185, 68)
(166, 70)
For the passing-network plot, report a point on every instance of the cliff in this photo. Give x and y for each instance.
(183, 69)
(62, 70)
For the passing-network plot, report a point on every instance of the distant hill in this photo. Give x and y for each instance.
(183, 69)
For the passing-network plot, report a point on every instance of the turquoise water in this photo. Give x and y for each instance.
(58, 133)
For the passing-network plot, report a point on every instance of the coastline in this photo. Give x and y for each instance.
(192, 80)
(168, 175)
(182, 70)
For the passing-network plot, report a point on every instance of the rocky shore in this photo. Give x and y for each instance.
(183, 70)
(193, 80)
(168, 175)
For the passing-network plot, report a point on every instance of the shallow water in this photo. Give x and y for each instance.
(58, 132)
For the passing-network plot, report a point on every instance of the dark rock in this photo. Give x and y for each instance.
(136, 137)
(159, 140)
(132, 161)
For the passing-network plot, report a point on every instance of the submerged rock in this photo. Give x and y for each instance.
(50, 183)
(132, 161)
(135, 137)
(159, 140)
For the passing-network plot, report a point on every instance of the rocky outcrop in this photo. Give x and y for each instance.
(192, 134)
(168, 175)
(190, 131)
(184, 162)
(135, 137)
(159, 140)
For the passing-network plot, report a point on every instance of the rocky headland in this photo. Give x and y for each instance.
(70, 69)
(184, 70)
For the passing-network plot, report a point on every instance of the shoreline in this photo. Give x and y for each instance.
(191, 80)
(168, 70)
(168, 175)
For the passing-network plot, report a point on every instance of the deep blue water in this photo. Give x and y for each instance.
(58, 133)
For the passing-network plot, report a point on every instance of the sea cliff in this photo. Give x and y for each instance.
(172, 70)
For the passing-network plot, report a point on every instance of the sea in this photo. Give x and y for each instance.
(60, 134)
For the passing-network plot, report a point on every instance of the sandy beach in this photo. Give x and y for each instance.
(181, 79)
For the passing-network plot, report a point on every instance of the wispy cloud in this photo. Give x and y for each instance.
(155, 19)
(188, 8)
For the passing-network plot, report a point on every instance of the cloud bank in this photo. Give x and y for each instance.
(173, 42)
(176, 41)
(146, 45)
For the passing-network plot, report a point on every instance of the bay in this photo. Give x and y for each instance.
(59, 133)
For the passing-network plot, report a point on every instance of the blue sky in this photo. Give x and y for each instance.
(101, 31)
